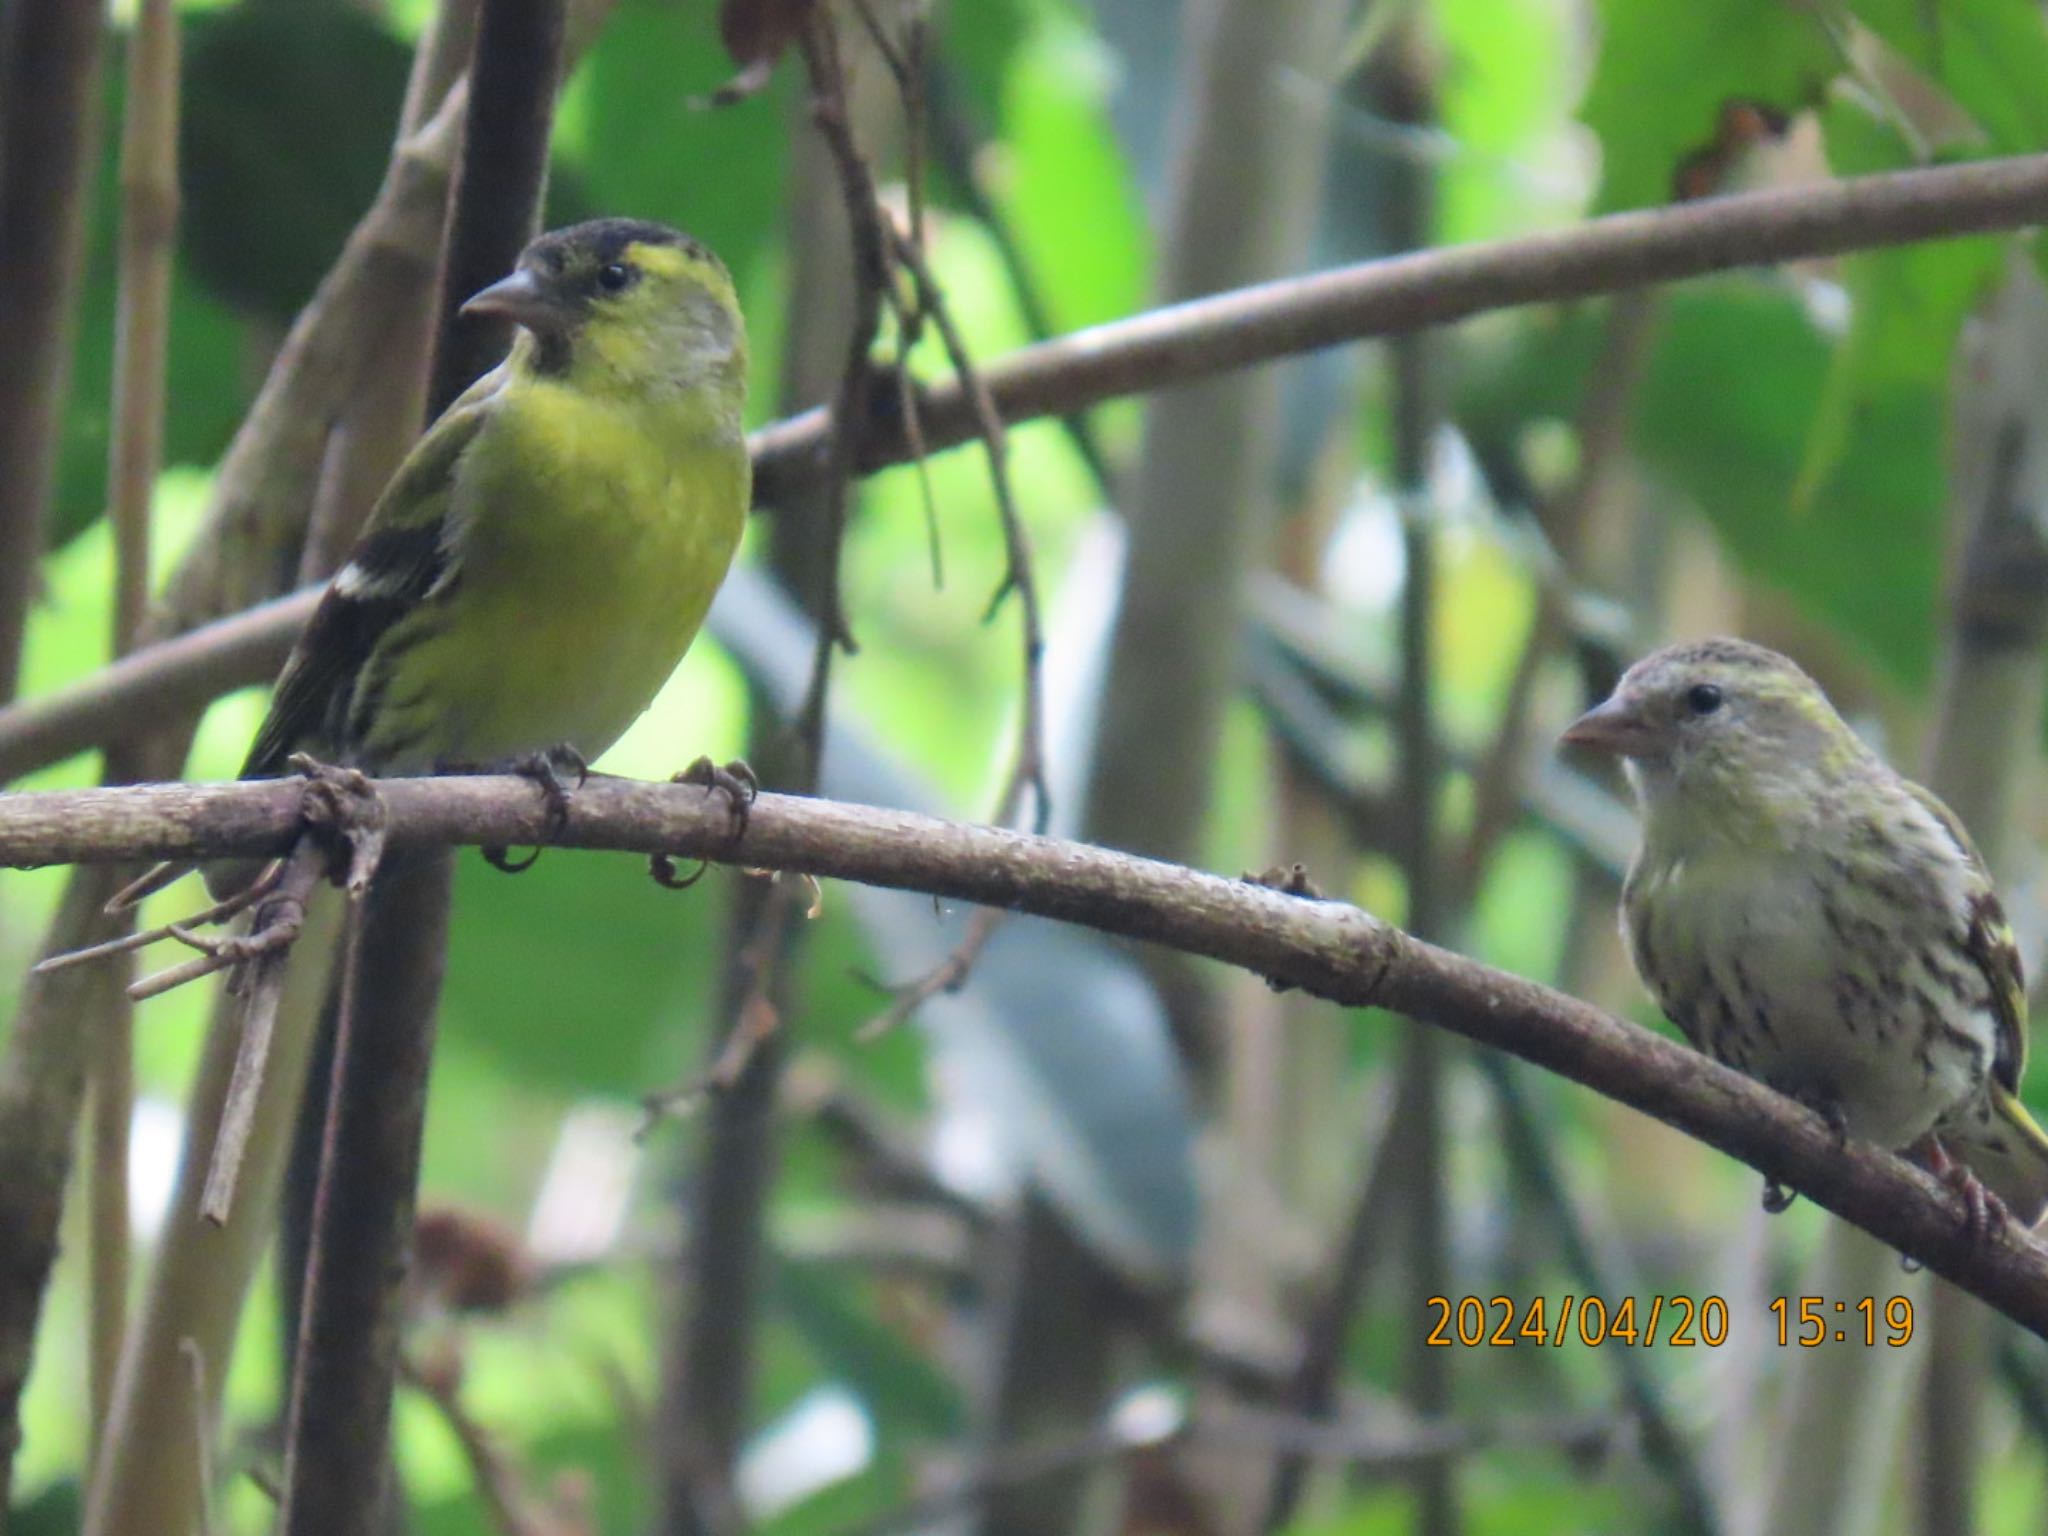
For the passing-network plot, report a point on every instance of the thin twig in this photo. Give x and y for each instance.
(497, 1476)
(219, 912)
(710, 1373)
(957, 141)
(913, 430)
(281, 911)
(757, 1016)
(850, 410)
(149, 211)
(948, 976)
(202, 1436)
(1028, 773)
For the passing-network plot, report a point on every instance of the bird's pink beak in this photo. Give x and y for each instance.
(1609, 727)
(519, 298)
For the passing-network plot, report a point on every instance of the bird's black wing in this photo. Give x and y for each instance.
(402, 553)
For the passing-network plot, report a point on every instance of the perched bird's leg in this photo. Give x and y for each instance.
(551, 771)
(342, 842)
(1984, 1214)
(1288, 880)
(1778, 1198)
(739, 784)
(735, 780)
(340, 807)
(1829, 1108)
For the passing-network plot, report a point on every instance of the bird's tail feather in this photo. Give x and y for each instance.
(2009, 1152)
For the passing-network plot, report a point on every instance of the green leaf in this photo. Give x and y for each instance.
(629, 125)
(1739, 373)
(289, 113)
(1735, 385)
(1906, 306)
(57, 1510)
(582, 974)
(1666, 70)
(1067, 175)
(1990, 56)
(1507, 90)
(833, 1310)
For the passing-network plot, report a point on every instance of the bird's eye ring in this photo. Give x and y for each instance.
(614, 276)
(1703, 698)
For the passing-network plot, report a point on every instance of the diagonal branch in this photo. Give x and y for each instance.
(1329, 949)
(1620, 252)
(1172, 345)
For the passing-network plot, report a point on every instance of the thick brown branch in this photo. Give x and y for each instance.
(1327, 948)
(1170, 346)
(49, 110)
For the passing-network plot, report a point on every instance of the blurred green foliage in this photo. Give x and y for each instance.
(1801, 416)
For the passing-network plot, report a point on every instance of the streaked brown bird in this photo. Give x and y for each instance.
(1808, 916)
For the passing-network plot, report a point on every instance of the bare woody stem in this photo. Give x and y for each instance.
(337, 1427)
(1329, 949)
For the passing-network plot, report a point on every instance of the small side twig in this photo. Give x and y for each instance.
(281, 913)
(500, 1481)
(202, 1436)
(905, 250)
(949, 975)
(1029, 771)
(219, 912)
(819, 43)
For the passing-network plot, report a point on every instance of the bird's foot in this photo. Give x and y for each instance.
(1829, 1108)
(340, 806)
(557, 772)
(1985, 1216)
(1288, 880)
(1778, 1197)
(739, 784)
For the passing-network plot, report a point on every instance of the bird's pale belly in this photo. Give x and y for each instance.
(1815, 998)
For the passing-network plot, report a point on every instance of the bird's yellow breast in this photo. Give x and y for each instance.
(590, 535)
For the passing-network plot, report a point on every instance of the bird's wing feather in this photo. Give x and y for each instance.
(400, 556)
(1989, 942)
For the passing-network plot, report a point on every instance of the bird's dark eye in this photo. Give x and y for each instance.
(614, 276)
(1703, 698)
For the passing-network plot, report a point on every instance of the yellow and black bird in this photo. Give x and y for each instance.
(547, 552)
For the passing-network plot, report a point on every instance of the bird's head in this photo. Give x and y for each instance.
(1725, 731)
(625, 304)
